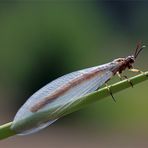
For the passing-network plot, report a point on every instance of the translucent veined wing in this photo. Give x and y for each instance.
(43, 115)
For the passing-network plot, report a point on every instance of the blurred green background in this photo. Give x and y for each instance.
(42, 40)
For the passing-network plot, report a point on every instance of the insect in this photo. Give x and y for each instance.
(41, 107)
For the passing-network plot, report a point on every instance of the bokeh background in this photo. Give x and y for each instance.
(42, 40)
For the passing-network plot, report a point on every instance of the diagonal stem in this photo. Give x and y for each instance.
(6, 131)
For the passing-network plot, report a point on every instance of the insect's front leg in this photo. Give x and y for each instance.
(137, 71)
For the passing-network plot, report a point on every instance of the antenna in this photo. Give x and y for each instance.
(138, 49)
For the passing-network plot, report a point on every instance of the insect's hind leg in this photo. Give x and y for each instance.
(109, 90)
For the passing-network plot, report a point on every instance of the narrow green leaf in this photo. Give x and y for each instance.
(6, 131)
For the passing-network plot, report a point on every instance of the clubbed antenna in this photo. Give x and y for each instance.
(138, 49)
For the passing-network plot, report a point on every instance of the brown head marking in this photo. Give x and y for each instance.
(128, 61)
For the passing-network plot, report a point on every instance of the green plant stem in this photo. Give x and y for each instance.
(6, 131)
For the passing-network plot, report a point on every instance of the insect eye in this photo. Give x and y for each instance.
(131, 61)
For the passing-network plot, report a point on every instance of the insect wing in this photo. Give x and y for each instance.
(60, 103)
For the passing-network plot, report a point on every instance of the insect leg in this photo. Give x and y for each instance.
(119, 75)
(110, 92)
(128, 80)
(138, 71)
